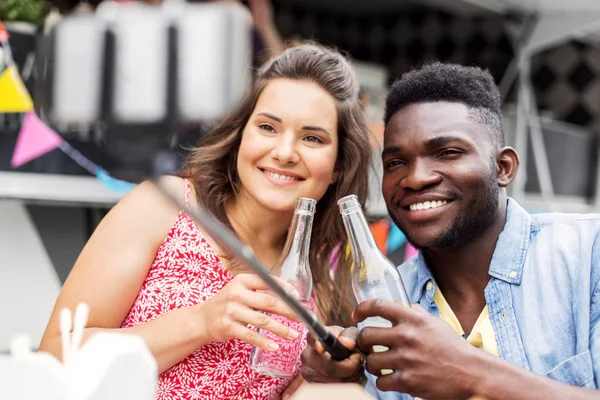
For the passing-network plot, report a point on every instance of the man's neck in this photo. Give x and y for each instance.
(461, 272)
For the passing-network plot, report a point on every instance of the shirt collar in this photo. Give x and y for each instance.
(509, 254)
(422, 276)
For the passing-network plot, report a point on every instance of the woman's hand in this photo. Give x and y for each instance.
(226, 315)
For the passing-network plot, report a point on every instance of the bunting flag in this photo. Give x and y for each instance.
(410, 251)
(380, 231)
(113, 184)
(396, 238)
(35, 139)
(14, 98)
(3, 33)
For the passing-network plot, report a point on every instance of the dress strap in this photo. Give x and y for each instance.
(187, 193)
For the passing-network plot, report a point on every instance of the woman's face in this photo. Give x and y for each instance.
(289, 145)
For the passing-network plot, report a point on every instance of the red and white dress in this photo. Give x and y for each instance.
(185, 272)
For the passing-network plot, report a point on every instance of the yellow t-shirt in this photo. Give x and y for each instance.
(482, 336)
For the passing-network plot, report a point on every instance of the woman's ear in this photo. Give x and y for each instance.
(334, 177)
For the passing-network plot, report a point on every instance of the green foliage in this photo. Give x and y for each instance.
(22, 10)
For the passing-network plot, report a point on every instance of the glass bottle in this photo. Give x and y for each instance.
(293, 267)
(373, 276)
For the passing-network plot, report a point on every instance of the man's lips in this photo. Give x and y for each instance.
(424, 201)
(424, 211)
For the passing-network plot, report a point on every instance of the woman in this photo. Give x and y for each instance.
(299, 133)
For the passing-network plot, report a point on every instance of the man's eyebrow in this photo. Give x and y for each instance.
(270, 116)
(442, 140)
(389, 150)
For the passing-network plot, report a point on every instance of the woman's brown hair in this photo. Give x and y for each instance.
(212, 166)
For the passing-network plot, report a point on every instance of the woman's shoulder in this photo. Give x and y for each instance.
(147, 207)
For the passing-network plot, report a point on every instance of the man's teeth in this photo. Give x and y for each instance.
(282, 177)
(427, 205)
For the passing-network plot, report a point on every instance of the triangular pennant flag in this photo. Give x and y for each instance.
(113, 184)
(410, 251)
(380, 232)
(14, 98)
(35, 139)
(3, 33)
(396, 239)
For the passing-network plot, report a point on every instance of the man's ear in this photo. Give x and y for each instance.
(507, 165)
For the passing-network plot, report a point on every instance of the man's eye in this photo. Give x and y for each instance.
(394, 163)
(450, 152)
(266, 127)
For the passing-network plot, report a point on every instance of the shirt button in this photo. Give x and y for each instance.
(429, 286)
(512, 274)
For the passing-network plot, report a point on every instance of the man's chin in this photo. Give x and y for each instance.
(424, 238)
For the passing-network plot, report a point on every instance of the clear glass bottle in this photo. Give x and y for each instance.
(293, 267)
(373, 276)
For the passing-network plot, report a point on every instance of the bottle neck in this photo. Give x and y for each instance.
(295, 254)
(360, 236)
(300, 239)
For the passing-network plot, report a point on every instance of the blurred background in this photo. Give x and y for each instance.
(543, 54)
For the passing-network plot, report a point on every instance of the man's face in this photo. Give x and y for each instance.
(440, 180)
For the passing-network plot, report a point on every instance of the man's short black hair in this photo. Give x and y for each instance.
(437, 81)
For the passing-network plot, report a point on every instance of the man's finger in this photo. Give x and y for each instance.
(335, 330)
(373, 336)
(392, 382)
(348, 337)
(324, 365)
(383, 360)
(389, 310)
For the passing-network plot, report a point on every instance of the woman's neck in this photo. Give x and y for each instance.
(263, 230)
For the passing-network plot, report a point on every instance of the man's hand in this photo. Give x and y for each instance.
(318, 367)
(428, 358)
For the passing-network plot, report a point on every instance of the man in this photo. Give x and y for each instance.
(507, 304)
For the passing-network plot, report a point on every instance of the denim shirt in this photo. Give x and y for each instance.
(543, 296)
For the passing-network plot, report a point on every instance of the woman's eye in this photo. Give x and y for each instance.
(313, 139)
(266, 127)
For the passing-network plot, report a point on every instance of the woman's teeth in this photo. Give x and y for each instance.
(282, 177)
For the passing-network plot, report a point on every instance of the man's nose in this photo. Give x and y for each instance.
(420, 176)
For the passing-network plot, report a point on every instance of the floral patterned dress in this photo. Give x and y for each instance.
(185, 272)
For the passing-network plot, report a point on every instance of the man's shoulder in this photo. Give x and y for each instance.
(553, 219)
(583, 228)
(565, 242)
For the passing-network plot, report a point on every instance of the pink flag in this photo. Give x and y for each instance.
(35, 139)
(410, 251)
